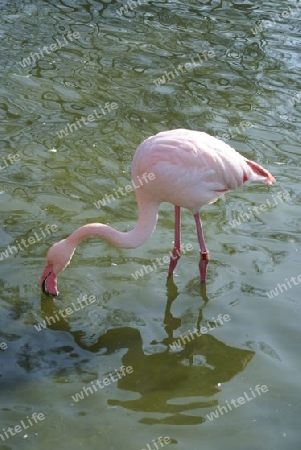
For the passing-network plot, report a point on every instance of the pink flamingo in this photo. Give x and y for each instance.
(187, 168)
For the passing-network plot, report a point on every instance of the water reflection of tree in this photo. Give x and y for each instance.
(171, 383)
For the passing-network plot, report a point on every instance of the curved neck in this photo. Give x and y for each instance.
(147, 220)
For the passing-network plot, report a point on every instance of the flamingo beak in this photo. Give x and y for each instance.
(48, 282)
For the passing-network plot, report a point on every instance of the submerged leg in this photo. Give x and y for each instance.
(204, 253)
(176, 253)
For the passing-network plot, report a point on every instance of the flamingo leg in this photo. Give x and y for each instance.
(176, 253)
(204, 253)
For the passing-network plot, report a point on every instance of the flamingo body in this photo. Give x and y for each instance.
(190, 169)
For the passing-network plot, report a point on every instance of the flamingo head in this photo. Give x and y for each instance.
(58, 258)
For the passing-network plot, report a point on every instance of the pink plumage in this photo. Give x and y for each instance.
(189, 169)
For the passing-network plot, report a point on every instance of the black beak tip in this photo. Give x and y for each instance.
(45, 291)
(43, 287)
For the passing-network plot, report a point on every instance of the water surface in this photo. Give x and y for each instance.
(246, 90)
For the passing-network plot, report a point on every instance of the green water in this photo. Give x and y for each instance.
(243, 90)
